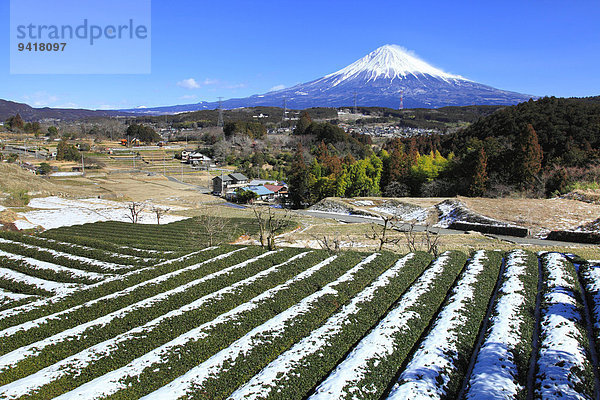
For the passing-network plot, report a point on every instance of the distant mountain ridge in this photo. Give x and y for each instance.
(380, 79)
(9, 108)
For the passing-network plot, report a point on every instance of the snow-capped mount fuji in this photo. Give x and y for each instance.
(379, 79)
(389, 62)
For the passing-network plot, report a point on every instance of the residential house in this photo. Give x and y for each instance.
(225, 185)
(262, 193)
(221, 183)
(239, 179)
(195, 158)
(257, 182)
(278, 190)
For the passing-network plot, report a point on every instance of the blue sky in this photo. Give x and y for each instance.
(239, 48)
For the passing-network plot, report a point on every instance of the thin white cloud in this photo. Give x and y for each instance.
(276, 88)
(189, 83)
(236, 86)
(67, 105)
(192, 83)
(40, 99)
(188, 97)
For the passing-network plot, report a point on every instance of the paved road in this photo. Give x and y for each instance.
(442, 231)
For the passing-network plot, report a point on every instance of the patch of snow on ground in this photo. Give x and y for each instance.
(266, 381)
(64, 314)
(102, 264)
(6, 295)
(43, 265)
(451, 211)
(259, 336)
(404, 213)
(54, 212)
(330, 207)
(592, 277)
(362, 203)
(495, 373)
(49, 286)
(82, 359)
(446, 218)
(22, 224)
(113, 381)
(64, 173)
(428, 373)
(562, 356)
(381, 341)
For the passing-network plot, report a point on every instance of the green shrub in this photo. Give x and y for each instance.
(17, 198)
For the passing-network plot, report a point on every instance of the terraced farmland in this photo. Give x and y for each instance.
(89, 318)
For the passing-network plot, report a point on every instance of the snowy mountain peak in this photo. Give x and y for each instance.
(387, 77)
(389, 62)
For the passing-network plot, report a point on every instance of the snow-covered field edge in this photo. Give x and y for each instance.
(501, 367)
(436, 370)
(563, 364)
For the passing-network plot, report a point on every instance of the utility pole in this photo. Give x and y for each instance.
(82, 165)
(220, 121)
(355, 98)
(284, 108)
(221, 183)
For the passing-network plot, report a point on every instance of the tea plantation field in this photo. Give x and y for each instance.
(114, 310)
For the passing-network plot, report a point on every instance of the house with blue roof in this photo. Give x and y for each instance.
(262, 193)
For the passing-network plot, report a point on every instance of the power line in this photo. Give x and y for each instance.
(220, 121)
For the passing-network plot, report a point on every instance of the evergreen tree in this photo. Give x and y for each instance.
(413, 152)
(52, 131)
(66, 152)
(15, 122)
(302, 124)
(528, 157)
(480, 178)
(298, 178)
(398, 165)
(143, 133)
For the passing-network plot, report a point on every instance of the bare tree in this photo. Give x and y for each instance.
(332, 244)
(270, 224)
(135, 209)
(381, 234)
(429, 241)
(159, 212)
(210, 226)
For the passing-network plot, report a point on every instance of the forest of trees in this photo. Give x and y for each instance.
(537, 148)
(144, 133)
(392, 173)
(254, 130)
